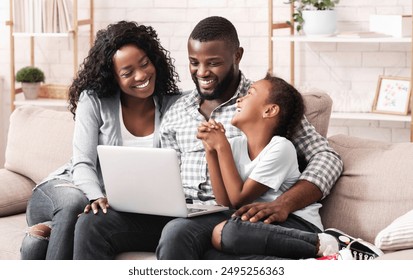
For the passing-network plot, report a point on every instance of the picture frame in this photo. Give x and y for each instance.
(392, 95)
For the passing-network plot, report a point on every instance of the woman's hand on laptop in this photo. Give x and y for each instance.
(101, 202)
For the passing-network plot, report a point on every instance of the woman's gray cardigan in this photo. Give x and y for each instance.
(97, 123)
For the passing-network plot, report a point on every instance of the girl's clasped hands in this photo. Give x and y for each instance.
(212, 134)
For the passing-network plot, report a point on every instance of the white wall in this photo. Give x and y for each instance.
(349, 70)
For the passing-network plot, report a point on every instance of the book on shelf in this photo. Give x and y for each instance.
(54, 17)
(67, 14)
(42, 16)
(28, 14)
(37, 16)
(18, 20)
(361, 34)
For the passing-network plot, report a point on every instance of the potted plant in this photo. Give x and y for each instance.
(31, 78)
(315, 17)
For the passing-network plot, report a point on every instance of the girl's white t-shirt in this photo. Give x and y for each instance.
(276, 167)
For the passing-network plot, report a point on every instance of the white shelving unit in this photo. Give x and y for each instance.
(292, 39)
(47, 35)
(369, 116)
(53, 103)
(335, 39)
(15, 98)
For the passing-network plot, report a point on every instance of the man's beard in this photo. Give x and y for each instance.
(219, 89)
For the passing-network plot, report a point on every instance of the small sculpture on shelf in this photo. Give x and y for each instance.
(31, 78)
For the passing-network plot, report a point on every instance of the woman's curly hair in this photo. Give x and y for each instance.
(291, 106)
(96, 73)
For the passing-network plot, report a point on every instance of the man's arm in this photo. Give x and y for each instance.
(168, 134)
(324, 165)
(323, 169)
(303, 193)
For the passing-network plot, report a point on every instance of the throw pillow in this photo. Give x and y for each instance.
(398, 235)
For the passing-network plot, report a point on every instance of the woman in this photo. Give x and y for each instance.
(123, 87)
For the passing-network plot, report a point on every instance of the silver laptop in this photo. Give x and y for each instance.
(147, 181)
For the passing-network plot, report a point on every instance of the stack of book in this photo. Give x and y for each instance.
(42, 16)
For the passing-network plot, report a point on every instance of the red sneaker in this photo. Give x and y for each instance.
(342, 255)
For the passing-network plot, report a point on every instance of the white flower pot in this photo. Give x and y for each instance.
(320, 23)
(31, 90)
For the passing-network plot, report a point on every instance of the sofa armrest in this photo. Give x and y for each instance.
(15, 191)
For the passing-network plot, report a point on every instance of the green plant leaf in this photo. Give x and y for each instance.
(30, 74)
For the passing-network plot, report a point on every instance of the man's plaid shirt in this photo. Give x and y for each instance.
(179, 128)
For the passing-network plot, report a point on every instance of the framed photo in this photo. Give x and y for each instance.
(392, 95)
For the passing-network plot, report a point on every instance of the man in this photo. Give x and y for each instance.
(214, 57)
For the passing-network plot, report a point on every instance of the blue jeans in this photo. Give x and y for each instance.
(191, 239)
(58, 207)
(294, 239)
(102, 236)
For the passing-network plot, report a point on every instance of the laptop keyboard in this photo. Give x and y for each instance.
(195, 210)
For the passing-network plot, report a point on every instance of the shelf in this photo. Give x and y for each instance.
(21, 34)
(42, 102)
(341, 38)
(369, 116)
(335, 39)
(72, 32)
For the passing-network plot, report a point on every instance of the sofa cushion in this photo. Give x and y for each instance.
(12, 231)
(136, 256)
(374, 189)
(15, 191)
(318, 110)
(398, 235)
(397, 255)
(39, 141)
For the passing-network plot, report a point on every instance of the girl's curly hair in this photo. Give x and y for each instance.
(291, 106)
(96, 73)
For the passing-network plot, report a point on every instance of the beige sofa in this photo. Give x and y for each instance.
(373, 191)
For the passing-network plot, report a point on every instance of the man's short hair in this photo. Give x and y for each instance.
(215, 28)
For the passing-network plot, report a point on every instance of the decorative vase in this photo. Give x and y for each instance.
(31, 90)
(319, 23)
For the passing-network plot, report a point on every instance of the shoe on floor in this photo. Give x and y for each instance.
(360, 249)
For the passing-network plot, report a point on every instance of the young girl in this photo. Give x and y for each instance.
(259, 166)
